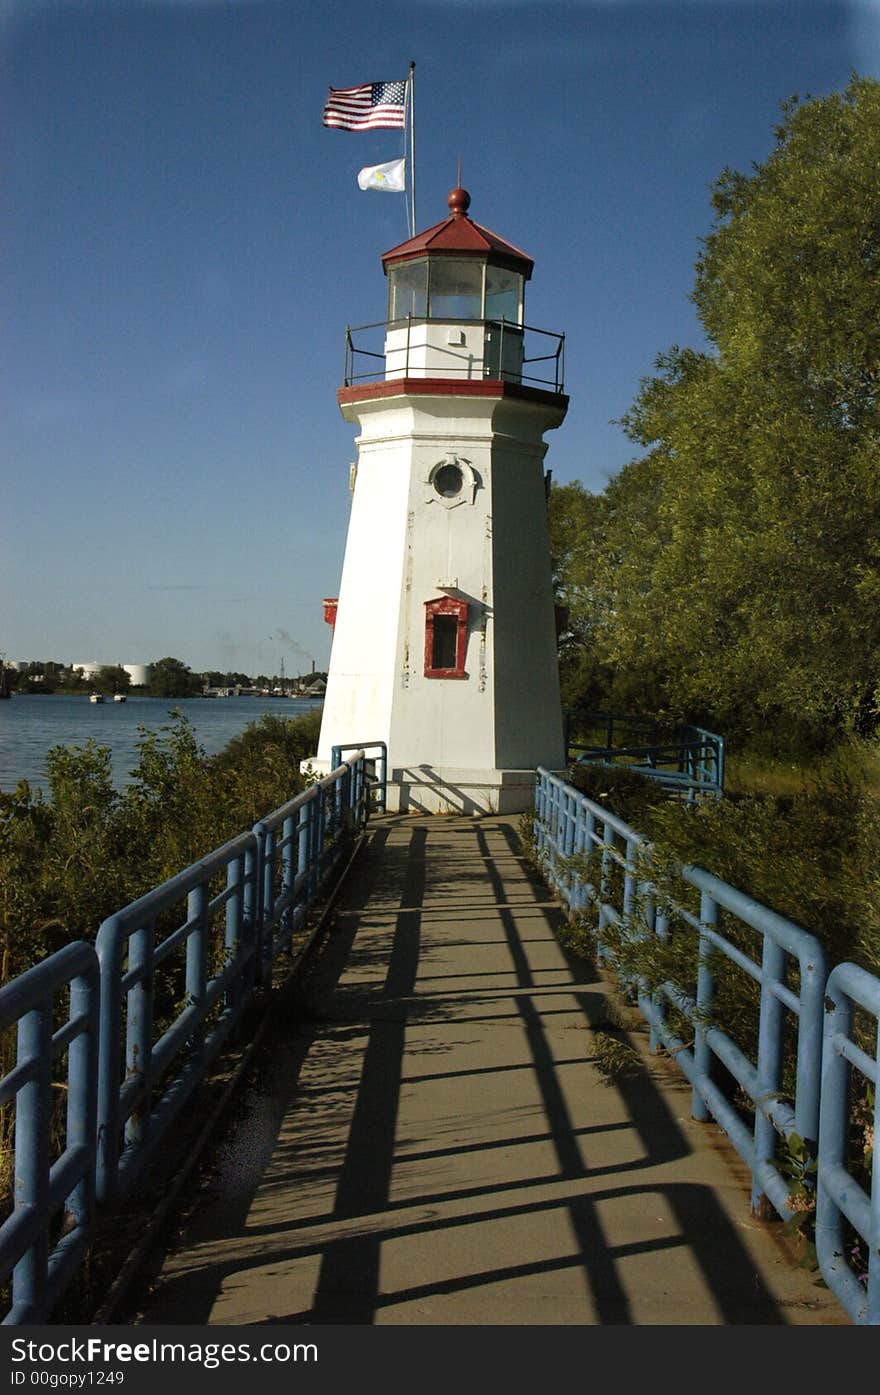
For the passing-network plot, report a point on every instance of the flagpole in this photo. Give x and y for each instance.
(412, 146)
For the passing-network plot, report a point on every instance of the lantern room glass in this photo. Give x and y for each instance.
(454, 288)
(408, 291)
(504, 295)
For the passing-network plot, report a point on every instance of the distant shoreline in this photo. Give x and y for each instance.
(185, 697)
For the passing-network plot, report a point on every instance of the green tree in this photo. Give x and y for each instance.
(735, 568)
(74, 681)
(577, 523)
(111, 678)
(39, 676)
(172, 678)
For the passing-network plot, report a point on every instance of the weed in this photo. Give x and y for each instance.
(614, 1059)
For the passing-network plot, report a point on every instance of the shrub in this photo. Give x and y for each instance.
(620, 790)
(70, 860)
(813, 857)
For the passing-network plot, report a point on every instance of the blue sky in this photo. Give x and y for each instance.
(184, 244)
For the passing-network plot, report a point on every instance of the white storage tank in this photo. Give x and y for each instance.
(138, 673)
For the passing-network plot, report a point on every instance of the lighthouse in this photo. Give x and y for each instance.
(444, 642)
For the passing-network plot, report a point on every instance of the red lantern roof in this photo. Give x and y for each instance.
(459, 236)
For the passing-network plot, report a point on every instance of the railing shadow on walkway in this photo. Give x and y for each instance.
(372, 1014)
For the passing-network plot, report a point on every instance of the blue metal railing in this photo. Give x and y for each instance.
(149, 1011)
(141, 1094)
(45, 1238)
(840, 1197)
(688, 759)
(375, 776)
(569, 825)
(623, 897)
(299, 844)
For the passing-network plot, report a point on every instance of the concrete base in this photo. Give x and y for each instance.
(426, 790)
(422, 789)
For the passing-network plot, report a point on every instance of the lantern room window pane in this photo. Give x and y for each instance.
(456, 289)
(408, 291)
(503, 294)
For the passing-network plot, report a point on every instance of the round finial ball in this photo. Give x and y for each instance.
(459, 201)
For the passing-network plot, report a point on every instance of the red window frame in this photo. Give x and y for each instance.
(446, 606)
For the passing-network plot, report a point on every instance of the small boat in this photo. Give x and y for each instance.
(119, 697)
(96, 697)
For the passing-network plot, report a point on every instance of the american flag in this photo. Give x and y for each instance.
(366, 107)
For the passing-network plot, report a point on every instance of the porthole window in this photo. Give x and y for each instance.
(452, 482)
(449, 481)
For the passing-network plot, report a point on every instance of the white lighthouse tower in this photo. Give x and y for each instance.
(444, 644)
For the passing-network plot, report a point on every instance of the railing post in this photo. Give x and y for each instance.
(383, 786)
(108, 945)
(32, 1150)
(235, 885)
(833, 1145)
(82, 1091)
(288, 871)
(360, 793)
(551, 827)
(139, 1027)
(567, 830)
(578, 892)
(604, 882)
(267, 902)
(704, 1001)
(349, 799)
(338, 803)
(629, 882)
(316, 839)
(659, 922)
(303, 847)
(769, 1065)
(540, 801)
(814, 975)
(197, 958)
(589, 833)
(253, 906)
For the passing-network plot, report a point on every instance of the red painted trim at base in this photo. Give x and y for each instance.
(448, 387)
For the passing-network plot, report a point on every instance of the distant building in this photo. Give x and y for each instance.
(88, 669)
(138, 673)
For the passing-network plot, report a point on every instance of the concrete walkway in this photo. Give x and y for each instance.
(433, 1144)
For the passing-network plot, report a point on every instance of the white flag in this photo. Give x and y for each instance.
(391, 176)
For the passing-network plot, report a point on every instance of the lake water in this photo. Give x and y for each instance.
(30, 725)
